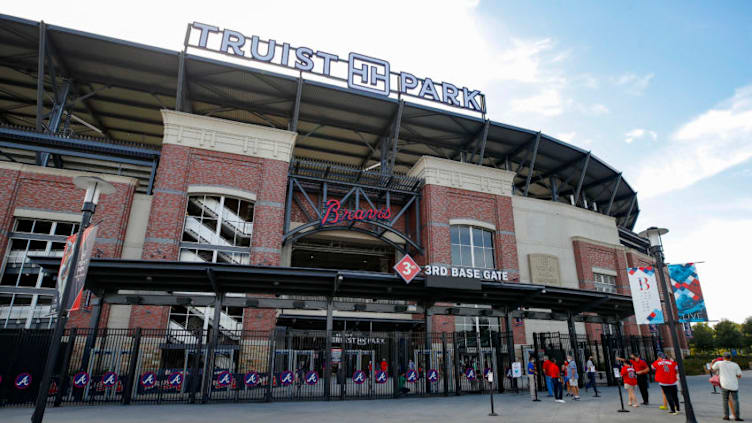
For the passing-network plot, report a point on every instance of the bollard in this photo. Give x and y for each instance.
(491, 391)
(618, 385)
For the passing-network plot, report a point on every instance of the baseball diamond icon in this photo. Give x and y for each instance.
(381, 376)
(407, 268)
(251, 379)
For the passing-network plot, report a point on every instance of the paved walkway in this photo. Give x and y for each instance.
(468, 408)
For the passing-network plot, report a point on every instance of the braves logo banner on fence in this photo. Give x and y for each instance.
(690, 303)
(645, 297)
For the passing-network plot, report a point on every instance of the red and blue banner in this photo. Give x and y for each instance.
(685, 285)
(645, 297)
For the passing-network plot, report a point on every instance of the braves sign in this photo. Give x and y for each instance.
(645, 297)
(334, 213)
(23, 381)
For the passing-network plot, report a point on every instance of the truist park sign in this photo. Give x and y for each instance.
(361, 72)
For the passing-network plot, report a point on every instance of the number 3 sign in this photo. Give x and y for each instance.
(407, 268)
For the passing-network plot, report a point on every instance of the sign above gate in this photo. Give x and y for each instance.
(361, 72)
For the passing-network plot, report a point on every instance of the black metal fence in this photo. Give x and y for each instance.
(159, 366)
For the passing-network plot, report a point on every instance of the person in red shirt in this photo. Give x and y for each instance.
(549, 382)
(629, 376)
(384, 366)
(665, 374)
(555, 374)
(642, 370)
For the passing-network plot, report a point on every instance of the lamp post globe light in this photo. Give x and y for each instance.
(653, 234)
(94, 187)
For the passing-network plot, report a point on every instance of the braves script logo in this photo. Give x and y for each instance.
(334, 214)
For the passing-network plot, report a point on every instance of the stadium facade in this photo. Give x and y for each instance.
(256, 199)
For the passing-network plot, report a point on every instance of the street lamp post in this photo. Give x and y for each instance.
(94, 187)
(656, 250)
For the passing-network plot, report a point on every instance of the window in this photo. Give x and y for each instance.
(604, 283)
(472, 247)
(217, 229)
(30, 237)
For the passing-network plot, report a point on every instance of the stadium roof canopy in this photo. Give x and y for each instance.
(117, 89)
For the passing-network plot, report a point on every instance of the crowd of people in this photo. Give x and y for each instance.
(635, 374)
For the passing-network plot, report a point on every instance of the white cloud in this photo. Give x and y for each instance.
(632, 83)
(712, 142)
(548, 102)
(566, 136)
(638, 133)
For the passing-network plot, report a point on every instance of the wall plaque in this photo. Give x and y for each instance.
(544, 269)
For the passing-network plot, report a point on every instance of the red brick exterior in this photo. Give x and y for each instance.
(181, 167)
(56, 193)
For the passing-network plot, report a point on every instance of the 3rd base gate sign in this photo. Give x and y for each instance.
(408, 269)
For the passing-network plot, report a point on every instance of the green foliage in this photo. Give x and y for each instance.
(747, 332)
(703, 337)
(695, 364)
(728, 335)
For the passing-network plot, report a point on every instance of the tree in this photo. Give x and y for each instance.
(747, 332)
(728, 334)
(703, 337)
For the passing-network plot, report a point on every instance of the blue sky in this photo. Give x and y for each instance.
(660, 90)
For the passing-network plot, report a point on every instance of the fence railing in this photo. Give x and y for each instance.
(166, 366)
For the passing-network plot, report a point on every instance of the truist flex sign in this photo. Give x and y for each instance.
(334, 213)
(361, 72)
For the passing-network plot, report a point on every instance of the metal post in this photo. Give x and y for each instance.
(328, 366)
(395, 365)
(64, 372)
(92, 338)
(573, 344)
(457, 381)
(40, 74)
(689, 411)
(270, 378)
(211, 351)
(129, 383)
(510, 345)
(445, 363)
(429, 348)
(62, 318)
(195, 379)
(621, 398)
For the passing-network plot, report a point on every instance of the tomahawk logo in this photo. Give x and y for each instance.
(287, 378)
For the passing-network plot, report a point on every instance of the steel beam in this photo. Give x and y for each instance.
(483, 139)
(296, 106)
(395, 135)
(531, 169)
(40, 74)
(613, 195)
(582, 179)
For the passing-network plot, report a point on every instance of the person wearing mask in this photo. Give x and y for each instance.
(729, 373)
(590, 370)
(642, 370)
(629, 376)
(574, 385)
(549, 383)
(665, 374)
(555, 374)
(531, 376)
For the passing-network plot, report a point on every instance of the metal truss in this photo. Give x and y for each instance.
(312, 184)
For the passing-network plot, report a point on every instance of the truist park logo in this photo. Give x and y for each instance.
(361, 72)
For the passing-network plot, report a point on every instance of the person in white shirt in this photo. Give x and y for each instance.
(729, 373)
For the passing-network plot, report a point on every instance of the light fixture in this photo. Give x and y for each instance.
(653, 234)
(94, 186)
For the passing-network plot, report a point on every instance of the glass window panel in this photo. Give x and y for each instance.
(24, 225)
(467, 259)
(456, 256)
(246, 211)
(63, 228)
(232, 205)
(22, 300)
(480, 257)
(487, 242)
(42, 227)
(465, 235)
(477, 237)
(37, 247)
(18, 244)
(489, 258)
(455, 234)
